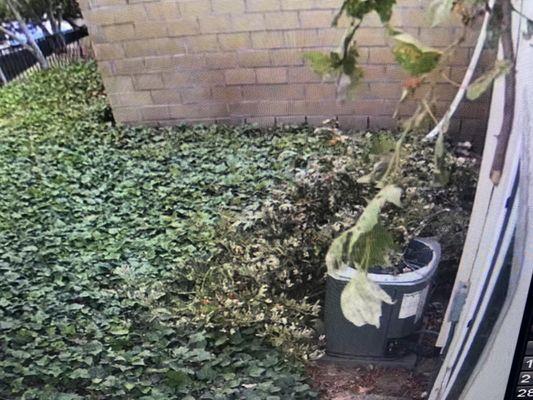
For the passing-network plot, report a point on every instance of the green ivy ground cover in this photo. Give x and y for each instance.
(105, 233)
(183, 263)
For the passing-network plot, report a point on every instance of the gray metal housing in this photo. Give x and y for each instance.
(409, 292)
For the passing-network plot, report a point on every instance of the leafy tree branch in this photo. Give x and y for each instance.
(426, 67)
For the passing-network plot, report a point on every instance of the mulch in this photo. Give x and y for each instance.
(334, 382)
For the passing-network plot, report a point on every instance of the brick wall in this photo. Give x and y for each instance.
(173, 61)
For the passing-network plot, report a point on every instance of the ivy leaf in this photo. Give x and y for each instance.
(67, 396)
(206, 373)
(483, 83)
(439, 11)
(80, 373)
(119, 331)
(94, 347)
(177, 379)
(4, 325)
(413, 56)
(255, 371)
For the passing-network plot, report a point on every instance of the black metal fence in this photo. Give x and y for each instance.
(15, 61)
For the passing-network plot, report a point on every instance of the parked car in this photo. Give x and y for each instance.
(35, 31)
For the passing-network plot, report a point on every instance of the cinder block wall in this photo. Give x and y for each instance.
(172, 61)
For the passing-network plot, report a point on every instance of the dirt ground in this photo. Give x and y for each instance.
(335, 382)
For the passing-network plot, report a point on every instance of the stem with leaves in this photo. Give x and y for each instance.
(426, 66)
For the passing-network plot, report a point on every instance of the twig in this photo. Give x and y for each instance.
(449, 80)
(443, 123)
(428, 109)
(394, 162)
(509, 95)
(422, 225)
(519, 12)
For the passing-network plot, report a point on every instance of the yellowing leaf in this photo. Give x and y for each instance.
(407, 39)
(342, 247)
(439, 11)
(361, 301)
(481, 84)
(413, 56)
(368, 178)
(320, 63)
(378, 170)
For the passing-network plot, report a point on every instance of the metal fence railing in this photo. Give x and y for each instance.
(15, 62)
